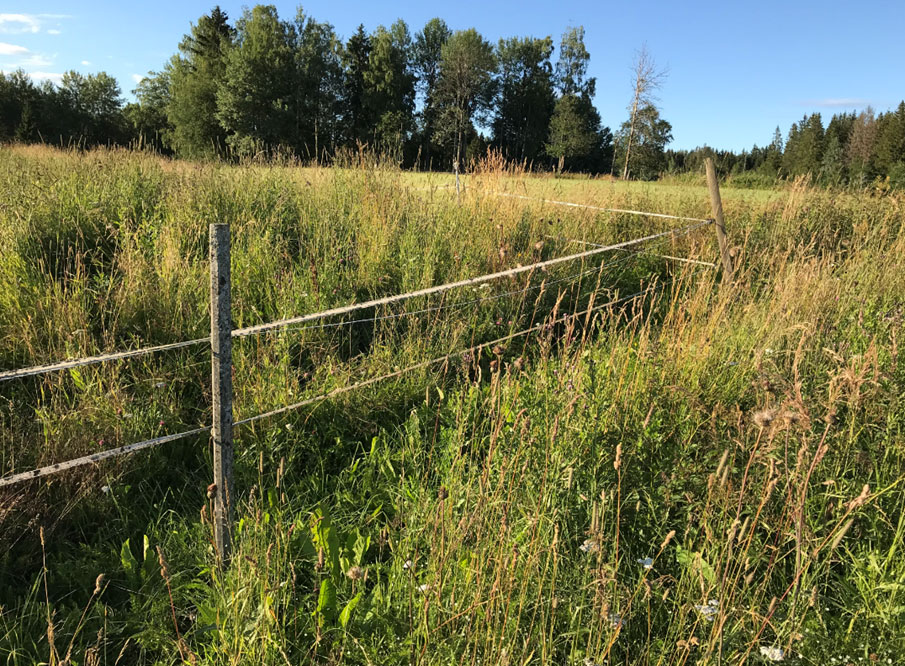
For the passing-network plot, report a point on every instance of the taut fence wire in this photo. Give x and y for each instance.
(630, 248)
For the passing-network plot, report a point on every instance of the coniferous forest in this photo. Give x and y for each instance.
(265, 86)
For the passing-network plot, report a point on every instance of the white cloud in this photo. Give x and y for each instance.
(836, 102)
(12, 49)
(14, 24)
(18, 23)
(137, 78)
(34, 60)
(54, 32)
(86, 62)
(46, 76)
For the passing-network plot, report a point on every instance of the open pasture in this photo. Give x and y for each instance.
(703, 474)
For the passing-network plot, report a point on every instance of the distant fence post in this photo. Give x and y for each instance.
(456, 169)
(221, 387)
(716, 205)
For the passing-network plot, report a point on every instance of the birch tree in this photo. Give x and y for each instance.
(647, 80)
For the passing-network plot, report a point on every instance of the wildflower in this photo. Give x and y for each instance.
(764, 417)
(424, 588)
(355, 573)
(646, 562)
(709, 610)
(160, 385)
(161, 422)
(105, 489)
(407, 565)
(589, 546)
(100, 442)
(772, 653)
(289, 427)
(587, 661)
(616, 620)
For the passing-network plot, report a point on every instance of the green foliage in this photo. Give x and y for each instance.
(572, 65)
(427, 52)
(256, 100)
(513, 506)
(195, 75)
(648, 152)
(525, 105)
(465, 88)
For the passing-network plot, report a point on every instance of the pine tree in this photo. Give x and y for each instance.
(890, 148)
(832, 168)
(773, 154)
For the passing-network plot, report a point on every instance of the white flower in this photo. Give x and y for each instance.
(587, 661)
(589, 546)
(772, 653)
(105, 489)
(424, 588)
(646, 562)
(160, 385)
(289, 427)
(709, 610)
(407, 565)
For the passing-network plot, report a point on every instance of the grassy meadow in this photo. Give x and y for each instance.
(701, 474)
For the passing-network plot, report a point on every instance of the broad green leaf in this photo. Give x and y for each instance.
(346, 613)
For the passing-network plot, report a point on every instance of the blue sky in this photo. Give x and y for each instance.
(736, 69)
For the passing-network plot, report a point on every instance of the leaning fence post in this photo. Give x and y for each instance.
(716, 205)
(221, 387)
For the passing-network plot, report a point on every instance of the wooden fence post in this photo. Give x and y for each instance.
(716, 205)
(456, 169)
(221, 388)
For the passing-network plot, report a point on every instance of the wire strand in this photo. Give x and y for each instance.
(604, 210)
(97, 457)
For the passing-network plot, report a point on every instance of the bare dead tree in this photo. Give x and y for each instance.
(647, 79)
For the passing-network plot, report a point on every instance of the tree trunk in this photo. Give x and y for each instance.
(631, 136)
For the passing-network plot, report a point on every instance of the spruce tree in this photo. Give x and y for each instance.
(526, 99)
(195, 74)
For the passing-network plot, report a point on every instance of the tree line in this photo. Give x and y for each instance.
(856, 149)
(265, 85)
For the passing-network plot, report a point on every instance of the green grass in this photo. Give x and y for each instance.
(748, 440)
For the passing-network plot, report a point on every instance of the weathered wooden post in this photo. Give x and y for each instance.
(716, 205)
(221, 388)
(456, 169)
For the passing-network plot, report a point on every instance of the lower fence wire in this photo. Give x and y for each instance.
(441, 359)
(151, 443)
(97, 457)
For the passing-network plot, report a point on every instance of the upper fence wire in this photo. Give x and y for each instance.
(295, 321)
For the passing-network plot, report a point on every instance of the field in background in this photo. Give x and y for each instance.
(705, 475)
